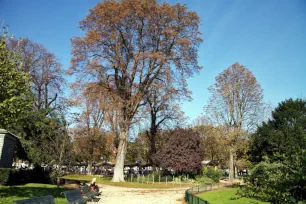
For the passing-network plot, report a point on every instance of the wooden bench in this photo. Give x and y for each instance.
(38, 200)
(75, 196)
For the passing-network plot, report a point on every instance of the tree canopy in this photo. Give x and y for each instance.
(130, 45)
(182, 152)
(236, 105)
(14, 87)
(278, 152)
(283, 134)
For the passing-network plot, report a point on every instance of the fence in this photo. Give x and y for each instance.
(191, 194)
(155, 179)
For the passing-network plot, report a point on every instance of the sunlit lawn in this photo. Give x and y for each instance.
(107, 181)
(10, 193)
(227, 196)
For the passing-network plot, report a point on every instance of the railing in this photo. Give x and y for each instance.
(191, 193)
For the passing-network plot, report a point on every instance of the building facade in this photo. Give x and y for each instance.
(7, 146)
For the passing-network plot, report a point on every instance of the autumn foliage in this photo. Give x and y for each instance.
(182, 152)
(129, 46)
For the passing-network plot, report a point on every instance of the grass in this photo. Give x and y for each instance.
(227, 196)
(107, 181)
(10, 193)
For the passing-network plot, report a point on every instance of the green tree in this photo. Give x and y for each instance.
(278, 152)
(14, 87)
(283, 134)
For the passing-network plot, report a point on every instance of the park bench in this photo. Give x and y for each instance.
(38, 200)
(75, 197)
(88, 193)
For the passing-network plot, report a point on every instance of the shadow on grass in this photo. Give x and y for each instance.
(10, 193)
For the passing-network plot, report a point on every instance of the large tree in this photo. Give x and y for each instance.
(163, 111)
(236, 104)
(283, 134)
(47, 75)
(14, 87)
(278, 151)
(129, 45)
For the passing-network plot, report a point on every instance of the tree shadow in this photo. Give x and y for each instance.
(31, 191)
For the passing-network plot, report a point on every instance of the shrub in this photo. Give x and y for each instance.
(212, 173)
(204, 179)
(4, 175)
(22, 176)
(278, 182)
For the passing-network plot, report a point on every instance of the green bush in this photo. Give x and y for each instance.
(22, 176)
(212, 173)
(278, 182)
(204, 179)
(4, 175)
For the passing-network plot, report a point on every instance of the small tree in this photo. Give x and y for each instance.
(182, 152)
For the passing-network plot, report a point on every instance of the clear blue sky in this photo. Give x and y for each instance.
(267, 36)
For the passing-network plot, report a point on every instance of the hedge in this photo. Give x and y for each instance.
(22, 176)
(4, 175)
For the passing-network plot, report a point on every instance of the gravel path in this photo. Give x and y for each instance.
(118, 195)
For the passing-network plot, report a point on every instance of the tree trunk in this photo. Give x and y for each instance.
(236, 172)
(231, 164)
(58, 181)
(152, 150)
(118, 172)
(89, 172)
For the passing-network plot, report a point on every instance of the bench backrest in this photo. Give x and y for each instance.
(38, 200)
(86, 189)
(73, 195)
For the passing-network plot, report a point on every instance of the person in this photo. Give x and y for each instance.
(94, 186)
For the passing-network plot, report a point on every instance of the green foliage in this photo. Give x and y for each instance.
(279, 155)
(209, 175)
(212, 173)
(278, 182)
(22, 176)
(284, 134)
(14, 88)
(4, 175)
(204, 179)
(266, 181)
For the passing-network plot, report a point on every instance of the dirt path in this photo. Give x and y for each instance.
(118, 195)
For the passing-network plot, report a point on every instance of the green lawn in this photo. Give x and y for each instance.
(10, 193)
(227, 196)
(107, 181)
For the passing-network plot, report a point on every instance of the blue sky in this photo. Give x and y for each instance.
(267, 36)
